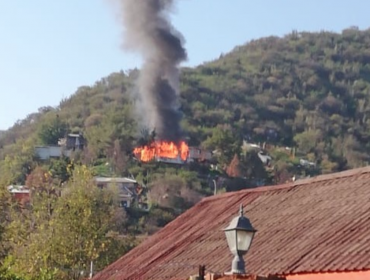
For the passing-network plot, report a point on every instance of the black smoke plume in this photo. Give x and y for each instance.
(148, 30)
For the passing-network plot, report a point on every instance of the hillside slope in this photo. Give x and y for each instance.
(308, 91)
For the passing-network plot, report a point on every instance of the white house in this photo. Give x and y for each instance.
(47, 152)
(127, 188)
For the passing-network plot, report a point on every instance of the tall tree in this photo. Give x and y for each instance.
(233, 170)
(52, 130)
(59, 238)
(253, 169)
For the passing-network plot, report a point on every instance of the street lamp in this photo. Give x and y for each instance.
(239, 235)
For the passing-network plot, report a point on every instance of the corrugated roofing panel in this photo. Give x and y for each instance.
(316, 225)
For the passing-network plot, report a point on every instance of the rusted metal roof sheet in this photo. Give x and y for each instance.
(309, 226)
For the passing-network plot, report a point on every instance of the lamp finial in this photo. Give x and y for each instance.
(241, 210)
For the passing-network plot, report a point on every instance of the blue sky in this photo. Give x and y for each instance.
(50, 48)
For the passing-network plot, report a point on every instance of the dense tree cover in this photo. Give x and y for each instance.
(58, 236)
(306, 90)
(305, 96)
(17, 162)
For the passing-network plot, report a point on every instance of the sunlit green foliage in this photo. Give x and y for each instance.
(52, 130)
(57, 237)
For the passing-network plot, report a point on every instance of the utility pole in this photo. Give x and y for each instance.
(214, 187)
(91, 269)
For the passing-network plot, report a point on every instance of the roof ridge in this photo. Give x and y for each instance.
(319, 178)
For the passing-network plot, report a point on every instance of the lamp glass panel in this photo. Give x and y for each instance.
(231, 240)
(244, 239)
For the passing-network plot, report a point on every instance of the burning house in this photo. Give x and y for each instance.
(169, 152)
(162, 151)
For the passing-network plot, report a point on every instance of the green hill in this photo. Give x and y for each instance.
(306, 91)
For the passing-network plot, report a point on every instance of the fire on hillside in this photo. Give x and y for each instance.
(163, 151)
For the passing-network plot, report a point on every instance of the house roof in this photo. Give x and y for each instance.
(18, 189)
(315, 225)
(114, 180)
(74, 135)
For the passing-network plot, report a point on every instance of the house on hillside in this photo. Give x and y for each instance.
(128, 189)
(264, 157)
(311, 229)
(198, 154)
(20, 193)
(262, 154)
(66, 146)
(50, 152)
(249, 146)
(306, 163)
(72, 142)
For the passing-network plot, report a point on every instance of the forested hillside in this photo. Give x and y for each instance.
(311, 88)
(306, 90)
(302, 97)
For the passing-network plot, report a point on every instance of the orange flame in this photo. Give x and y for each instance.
(162, 149)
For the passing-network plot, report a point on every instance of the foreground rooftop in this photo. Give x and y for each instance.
(310, 226)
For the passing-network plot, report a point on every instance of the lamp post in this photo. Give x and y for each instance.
(239, 235)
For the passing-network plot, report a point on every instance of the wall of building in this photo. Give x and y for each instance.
(357, 275)
(47, 152)
(239, 277)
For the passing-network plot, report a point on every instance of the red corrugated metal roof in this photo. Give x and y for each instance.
(309, 226)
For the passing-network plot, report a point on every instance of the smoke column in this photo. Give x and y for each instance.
(149, 31)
